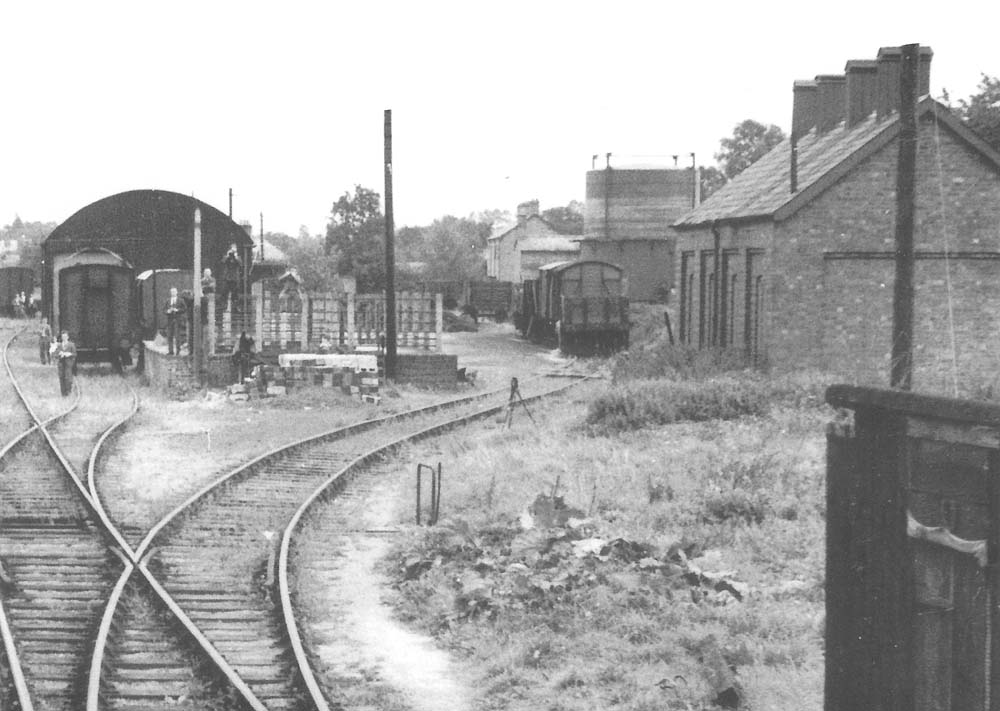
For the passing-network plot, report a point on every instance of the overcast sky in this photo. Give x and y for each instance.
(493, 103)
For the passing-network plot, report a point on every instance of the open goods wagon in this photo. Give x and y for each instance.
(14, 280)
(96, 308)
(580, 306)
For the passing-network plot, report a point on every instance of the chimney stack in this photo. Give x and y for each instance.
(888, 77)
(862, 89)
(526, 210)
(831, 90)
(804, 106)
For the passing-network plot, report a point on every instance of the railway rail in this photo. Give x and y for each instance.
(194, 615)
(216, 554)
(71, 570)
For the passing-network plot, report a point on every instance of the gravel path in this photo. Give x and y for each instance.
(368, 659)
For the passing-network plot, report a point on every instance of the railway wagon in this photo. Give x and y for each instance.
(152, 289)
(96, 308)
(14, 280)
(145, 230)
(578, 305)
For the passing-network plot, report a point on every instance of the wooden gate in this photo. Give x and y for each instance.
(912, 532)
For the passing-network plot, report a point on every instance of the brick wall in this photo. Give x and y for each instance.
(432, 370)
(175, 376)
(648, 264)
(825, 268)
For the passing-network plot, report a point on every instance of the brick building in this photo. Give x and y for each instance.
(793, 260)
(516, 254)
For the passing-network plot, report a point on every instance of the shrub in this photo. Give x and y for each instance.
(659, 358)
(643, 403)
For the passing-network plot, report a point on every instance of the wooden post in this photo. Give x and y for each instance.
(438, 319)
(304, 322)
(870, 589)
(197, 332)
(390, 258)
(352, 336)
(211, 341)
(902, 301)
(258, 295)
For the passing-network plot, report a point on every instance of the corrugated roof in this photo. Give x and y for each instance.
(764, 189)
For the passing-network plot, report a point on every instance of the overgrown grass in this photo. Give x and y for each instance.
(741, 498)
(638, 403)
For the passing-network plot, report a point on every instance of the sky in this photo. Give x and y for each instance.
(492, 103)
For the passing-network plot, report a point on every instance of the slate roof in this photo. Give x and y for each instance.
(508, 230)
(548, 244)
(763, 191)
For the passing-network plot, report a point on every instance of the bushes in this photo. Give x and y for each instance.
(642, 403)
(659, 359)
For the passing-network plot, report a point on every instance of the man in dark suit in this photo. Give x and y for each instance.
(65, 354)
(174, 310)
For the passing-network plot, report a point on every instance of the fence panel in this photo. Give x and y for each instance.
(912, 534)
(285, 319)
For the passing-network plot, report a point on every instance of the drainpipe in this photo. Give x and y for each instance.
(716, 248)
(607, 197)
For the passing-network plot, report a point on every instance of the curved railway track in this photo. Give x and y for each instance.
(216, 554)
(73, 576)
(196, 615)
(333, 486)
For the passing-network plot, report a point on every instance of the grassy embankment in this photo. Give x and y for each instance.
(701, 553)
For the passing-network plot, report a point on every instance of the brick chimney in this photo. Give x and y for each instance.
(831, 90)
(526, 210)
(889, 70)
(804, 106)
(862, 89)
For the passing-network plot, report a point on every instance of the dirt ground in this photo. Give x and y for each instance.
(367, 655)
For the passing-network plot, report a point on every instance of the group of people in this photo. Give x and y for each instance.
(23, 306)
(64, 352)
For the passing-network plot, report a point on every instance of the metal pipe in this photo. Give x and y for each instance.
(902, 301)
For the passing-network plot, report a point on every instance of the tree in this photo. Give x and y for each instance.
(981, 111)
(750, 141)
(453, 248)
(29, 236)
(356, 233)
(308, 255)
(711, 180)
(567, 219)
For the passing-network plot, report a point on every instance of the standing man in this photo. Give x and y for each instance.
(66, 357)
(232, 271)
(173, 309)
(44, 341)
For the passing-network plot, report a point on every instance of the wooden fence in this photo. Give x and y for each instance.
(913, 523)
(282, 317)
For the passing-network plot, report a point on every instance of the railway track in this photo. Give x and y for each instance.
(190, 618)
(216, 554)
(79, 629)
(309, 518)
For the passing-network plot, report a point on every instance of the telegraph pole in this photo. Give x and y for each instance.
(196, 326)
(390, 258)
(902, 298)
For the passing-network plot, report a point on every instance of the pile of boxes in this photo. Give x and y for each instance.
(354, 375)
(361, 381)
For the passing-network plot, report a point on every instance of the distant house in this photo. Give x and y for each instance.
(515, 254)
(793, 260)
